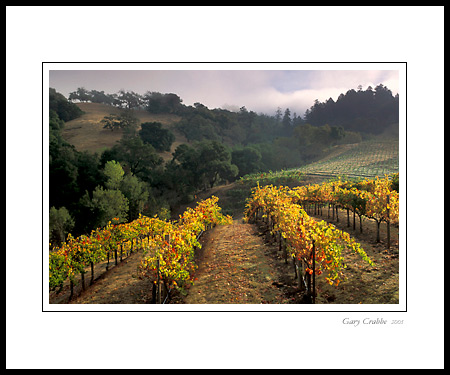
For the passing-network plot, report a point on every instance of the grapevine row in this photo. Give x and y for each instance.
(169, 246)
(302, 233)
(375, 199)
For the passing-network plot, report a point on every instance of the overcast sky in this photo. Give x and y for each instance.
(262, 91)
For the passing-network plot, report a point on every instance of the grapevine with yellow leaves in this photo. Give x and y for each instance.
(176, 261)
(301, 232)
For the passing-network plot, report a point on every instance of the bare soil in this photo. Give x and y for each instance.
(238, 266)
(119, 285)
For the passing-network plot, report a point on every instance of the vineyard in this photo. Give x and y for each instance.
(169, 248)
(352, 161)
(316, 247)
(366, 159)
(321, 253)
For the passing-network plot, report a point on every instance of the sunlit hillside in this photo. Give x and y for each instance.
(86, 133)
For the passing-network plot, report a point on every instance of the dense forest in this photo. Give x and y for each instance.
(87, 190)
(366, 111)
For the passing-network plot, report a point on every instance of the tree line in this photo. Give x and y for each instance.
(86, 190)
(365, 112)
(369, 111)
(154, 102)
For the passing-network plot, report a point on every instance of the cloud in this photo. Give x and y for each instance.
(265, 91)
(297, 90)
(258, 90)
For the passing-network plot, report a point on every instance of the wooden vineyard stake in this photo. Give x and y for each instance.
(158, 285)
(314, 272)
(388, 227)
(92, 273)
(285, 255)
(83, 285)
(300, 274)
(294, 263)
(71, 290)
(333, 189)
(308, 285)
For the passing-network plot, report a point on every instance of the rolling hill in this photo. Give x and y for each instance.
(366, 159)
(86, 133)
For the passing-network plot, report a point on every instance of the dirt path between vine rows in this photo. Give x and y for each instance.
(237, 266)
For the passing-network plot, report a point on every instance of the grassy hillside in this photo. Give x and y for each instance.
(87, 134)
